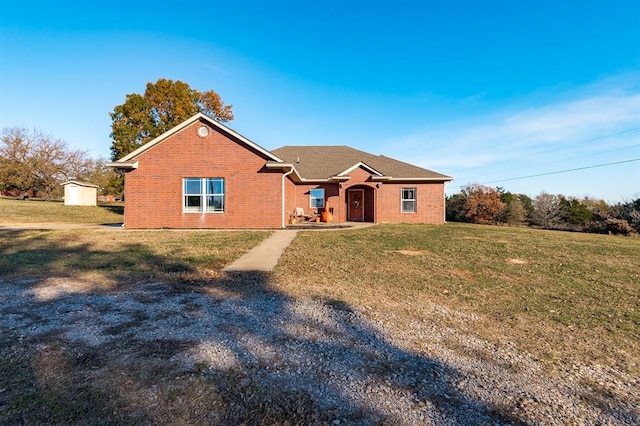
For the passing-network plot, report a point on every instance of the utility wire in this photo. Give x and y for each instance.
(585, 141)
(563, 171)
(567, 146)
(564, 160)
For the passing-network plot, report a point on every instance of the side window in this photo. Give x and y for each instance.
(203, 195)
(215, 195)
(409, 197)
(192, 195)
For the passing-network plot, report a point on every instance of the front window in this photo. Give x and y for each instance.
(409, 196)
(316, 197)
(203, 195)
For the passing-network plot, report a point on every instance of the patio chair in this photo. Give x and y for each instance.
(299, 215)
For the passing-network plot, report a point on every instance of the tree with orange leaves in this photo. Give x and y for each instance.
(164, 104)
(483, 204)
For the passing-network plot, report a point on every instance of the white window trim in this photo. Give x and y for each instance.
(203, 196)
(311, 206)
(415, 200)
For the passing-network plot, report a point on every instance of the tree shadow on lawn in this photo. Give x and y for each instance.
(229, 350)
(34, 257)
(113, 208)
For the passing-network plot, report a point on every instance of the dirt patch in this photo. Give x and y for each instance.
(414, 252)
(513, 261)
(56, 287)
(464, 274)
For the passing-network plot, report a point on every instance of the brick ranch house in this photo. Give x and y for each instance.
(202, 174)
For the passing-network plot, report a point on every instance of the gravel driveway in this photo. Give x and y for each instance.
(273, 359)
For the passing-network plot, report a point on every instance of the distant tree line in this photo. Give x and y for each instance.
(33, 164)
(496, 206)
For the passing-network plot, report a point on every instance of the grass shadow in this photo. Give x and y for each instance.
(113, 208)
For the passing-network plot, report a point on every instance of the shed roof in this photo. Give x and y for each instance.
(79, 183)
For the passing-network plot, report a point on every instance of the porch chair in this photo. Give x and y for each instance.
(299, 215)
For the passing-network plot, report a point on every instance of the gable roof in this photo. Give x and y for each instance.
(325, 162)
(129, 160)
(79, 183)
(307, 163)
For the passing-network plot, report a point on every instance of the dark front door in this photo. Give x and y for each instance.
(356, 205)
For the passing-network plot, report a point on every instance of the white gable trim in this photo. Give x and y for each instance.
(79, 183)
(360, 164)
(199, 116)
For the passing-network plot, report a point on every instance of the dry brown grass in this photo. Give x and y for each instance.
(105, 258)
(561, 296)
(36, 211)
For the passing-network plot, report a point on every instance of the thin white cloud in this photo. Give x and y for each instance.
(572, 120)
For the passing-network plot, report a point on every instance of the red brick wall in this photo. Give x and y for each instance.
(299, 197)
(153, 192)
(385, 199)
(429, 208)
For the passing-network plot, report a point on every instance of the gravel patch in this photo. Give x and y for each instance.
(358, 369)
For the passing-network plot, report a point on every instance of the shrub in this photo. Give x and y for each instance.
(605, 224)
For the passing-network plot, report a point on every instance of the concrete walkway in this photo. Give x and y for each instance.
(265, 255)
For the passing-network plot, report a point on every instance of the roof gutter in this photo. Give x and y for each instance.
(124, 165)
(410, 179)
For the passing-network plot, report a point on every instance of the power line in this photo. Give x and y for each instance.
(564, 146)
(563, 171)
(564, 160)
(585, 141)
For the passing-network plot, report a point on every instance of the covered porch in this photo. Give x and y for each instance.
(360, 203)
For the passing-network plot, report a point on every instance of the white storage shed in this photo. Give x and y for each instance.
(78, 193)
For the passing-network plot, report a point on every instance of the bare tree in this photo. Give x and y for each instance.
(547, 209)
(16, 171)
(37, 162)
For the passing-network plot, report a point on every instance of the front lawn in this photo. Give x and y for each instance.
(562, 296)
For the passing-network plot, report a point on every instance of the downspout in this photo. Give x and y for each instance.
(284, 225)
(444, 202)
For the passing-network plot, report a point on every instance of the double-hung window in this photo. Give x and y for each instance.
(409, 197)
(316, 198)
(203, 195)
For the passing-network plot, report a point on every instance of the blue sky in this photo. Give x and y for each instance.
(487, 92)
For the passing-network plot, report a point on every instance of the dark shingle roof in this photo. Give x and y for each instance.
(323, 162)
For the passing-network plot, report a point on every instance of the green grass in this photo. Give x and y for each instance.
(560, 296)
(36, 211)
